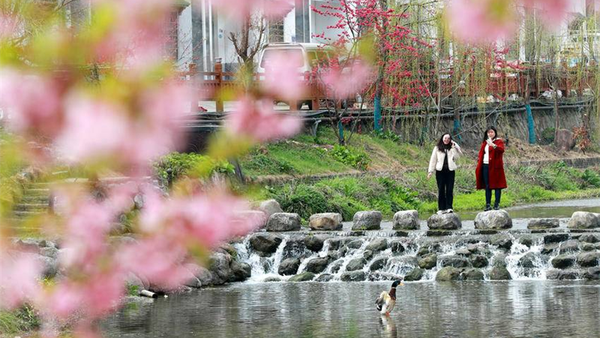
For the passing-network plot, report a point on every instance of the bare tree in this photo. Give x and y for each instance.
(250, 40)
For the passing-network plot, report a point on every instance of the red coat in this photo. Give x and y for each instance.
(496, 166)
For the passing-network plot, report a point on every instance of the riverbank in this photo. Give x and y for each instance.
(311, 174)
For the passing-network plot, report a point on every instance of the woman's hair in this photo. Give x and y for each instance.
(441, 146)
(485, 137)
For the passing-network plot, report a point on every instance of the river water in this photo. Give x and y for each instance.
(425, 309)
(518, 308)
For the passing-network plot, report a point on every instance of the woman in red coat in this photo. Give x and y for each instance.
(490, 168)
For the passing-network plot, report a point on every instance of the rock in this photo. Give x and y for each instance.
(568, 246)
(265, 244)
(317, 265)
(397, 247)
(502, 241)
(378, 244)
(561, 275)
(271, 279)
(532, 260)
(219, 266)
(555, 238)
(583, 220)
(448, 274)
(499, 261)
(543, 223)
(288, 266)
(336, 243)
(588, 247)
(414, 275)
(325, 222)
(254, 217)
(403, 261)
(354, 276)
(589, 238)
(479, 261)
(324, 278)
(563, 261)
(449, 221)
(499, 273)
(428, 262)
(378, 263)
(588, 259)
(454, 261)
(356, 244)
(549, 248)
(303, 277)
(526, 240)
(368, 254)
(336, 266)
(367, 220)
(592, 273)
(463, 252)
(204, 276)
(406, 220)
(283, 222)
(472, 274)
(314, 243)
(293, 248)
(240, 271)
(564, 140)
(356, 264)
(270, 207)
(49, 251)
(493, 219)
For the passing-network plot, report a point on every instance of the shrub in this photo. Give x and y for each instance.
(351, 157)
(590, 179)
(175, 165)
(268, 165)
(548, 135)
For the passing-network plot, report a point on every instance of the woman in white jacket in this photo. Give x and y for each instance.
(443, 162)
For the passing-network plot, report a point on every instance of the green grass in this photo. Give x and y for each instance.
(21, 320)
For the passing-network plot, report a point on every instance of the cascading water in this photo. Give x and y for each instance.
(374, 256)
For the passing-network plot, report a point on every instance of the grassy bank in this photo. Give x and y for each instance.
(23, 320)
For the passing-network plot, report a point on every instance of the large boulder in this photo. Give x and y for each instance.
(270, 207)
(472, 274)
(448, 274)
(314, 243)
(564, 139)
(414, 275)
(454, 261)
(289, 266)
(532, 260)
(325, 221)
(588, 259)
(303, 277)
(428, 262)
(353, 276)
(449, 221)
(555, 238)
(406, 220)
(502, 241)
(499, 273)
(543, 223)
(563, 261)
(367, 220)
(592, 273)
(356, 264)
(589, 238)
(220, 267)
(479, 261)
(562, 275)
(378, 263)
(324, 278)
(317, 265)
(493, 219)
(568, 246)
(584, 220)
(240, 271)
(378, 244)
(283, 222)
(265, 244)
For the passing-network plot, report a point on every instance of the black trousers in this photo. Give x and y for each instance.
(445, 183)
(488, 191)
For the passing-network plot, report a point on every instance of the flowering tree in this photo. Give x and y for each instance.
(119, 123)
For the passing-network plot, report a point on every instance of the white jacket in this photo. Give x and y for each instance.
(437, 158)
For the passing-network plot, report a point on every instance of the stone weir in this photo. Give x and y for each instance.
(439, 249)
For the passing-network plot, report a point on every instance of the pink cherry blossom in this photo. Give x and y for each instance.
(257, 120)
(552, 12)
(242, 9)
(19, 278)
(477, 21)
(9, 26)
(33, 102)
(349, 81)
(282, 78)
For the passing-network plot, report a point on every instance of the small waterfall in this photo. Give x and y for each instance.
(381, 255)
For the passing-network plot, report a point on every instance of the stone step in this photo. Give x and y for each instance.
(35, 199)
(39, 207)
(37, 192)
(26, 214)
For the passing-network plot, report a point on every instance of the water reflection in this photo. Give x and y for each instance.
(478, 309)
